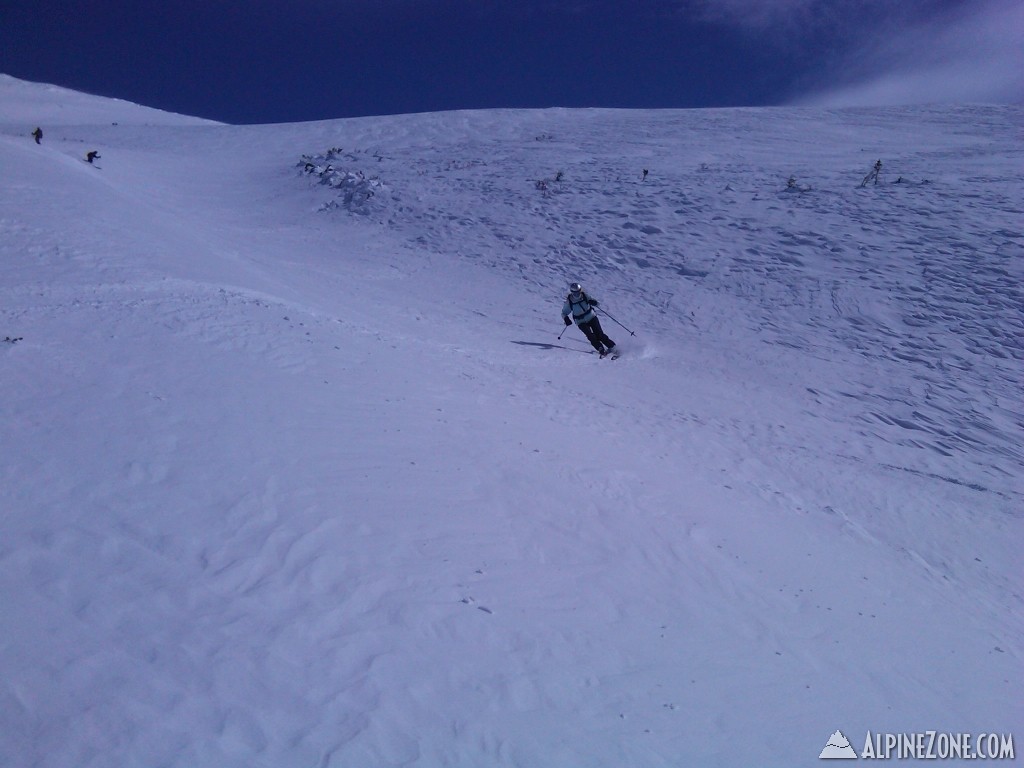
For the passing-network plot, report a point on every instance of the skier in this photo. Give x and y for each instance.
(91, 156)
(37, 134)
(581, 307)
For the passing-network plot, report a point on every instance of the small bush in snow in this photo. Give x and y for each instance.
(793, 186)
(543, 185)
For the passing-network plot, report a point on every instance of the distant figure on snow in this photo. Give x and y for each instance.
(92, 155)
(645, 175)
(873, 176)
(581, 307)
(37, 134)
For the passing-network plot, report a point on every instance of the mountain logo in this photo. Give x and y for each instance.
(838, 748)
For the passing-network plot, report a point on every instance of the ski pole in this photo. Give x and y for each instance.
(612, 318)
(563, 331)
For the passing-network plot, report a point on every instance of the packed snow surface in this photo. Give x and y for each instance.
(297, 470)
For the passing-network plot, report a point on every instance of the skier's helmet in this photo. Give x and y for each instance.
(575, 288)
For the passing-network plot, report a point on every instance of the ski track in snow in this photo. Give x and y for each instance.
(294, 478)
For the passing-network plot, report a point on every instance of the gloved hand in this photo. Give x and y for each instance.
(567, 320)
(595, 303)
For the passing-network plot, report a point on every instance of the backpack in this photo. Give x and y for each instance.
(584, 299)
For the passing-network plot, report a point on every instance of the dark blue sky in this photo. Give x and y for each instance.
(254, 61)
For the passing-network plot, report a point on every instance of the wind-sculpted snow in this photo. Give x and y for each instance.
(915, 278)
(300, 466)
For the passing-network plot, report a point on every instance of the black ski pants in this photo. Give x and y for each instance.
(596, 335)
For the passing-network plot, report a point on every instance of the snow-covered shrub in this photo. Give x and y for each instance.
(545, 185)
(792, 185)
(355, 191)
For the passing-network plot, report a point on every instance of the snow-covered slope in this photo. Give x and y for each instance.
(34, 104)
(294, 474)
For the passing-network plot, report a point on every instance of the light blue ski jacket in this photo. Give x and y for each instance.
(581, 309)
